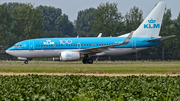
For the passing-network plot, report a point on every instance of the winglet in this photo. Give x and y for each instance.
(100, 34)
(127, 40)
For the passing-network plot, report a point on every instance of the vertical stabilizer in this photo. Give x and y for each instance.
(151, 26)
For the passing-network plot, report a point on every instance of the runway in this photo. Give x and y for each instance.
(86, 74)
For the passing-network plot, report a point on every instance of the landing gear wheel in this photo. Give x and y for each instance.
(25, 62)
(90, 61)
(84, 61)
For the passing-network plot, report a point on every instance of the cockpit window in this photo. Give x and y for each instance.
(18, 45)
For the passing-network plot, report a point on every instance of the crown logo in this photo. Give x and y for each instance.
(151, 21)
(68, 55)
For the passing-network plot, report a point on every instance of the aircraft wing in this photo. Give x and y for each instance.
(103, 48)
(162, 38)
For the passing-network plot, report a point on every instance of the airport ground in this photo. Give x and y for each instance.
(160, 83)
(99, 68)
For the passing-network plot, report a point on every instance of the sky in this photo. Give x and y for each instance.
(72, 7)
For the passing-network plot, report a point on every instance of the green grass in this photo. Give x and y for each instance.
(117, 67)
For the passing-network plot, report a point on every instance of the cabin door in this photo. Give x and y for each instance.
(31, 45)
(78, 45)
(133, 44)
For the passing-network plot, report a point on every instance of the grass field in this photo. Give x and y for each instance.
(90, 88)
(117, 67)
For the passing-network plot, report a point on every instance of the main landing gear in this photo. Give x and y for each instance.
(89, 61)
(26, 62)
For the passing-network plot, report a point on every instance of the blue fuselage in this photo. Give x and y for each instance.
(80, 43)
(52, 47)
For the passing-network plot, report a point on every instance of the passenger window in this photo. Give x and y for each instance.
(84, 44)
(61, 45)
(41, 45)
(36, 45)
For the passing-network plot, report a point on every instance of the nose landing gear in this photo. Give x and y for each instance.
(26, 62)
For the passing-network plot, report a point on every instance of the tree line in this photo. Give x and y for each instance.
(19, 21)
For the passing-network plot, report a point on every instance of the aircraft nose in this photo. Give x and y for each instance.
(7, 51)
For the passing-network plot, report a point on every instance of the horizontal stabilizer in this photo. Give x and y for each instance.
(162, 38)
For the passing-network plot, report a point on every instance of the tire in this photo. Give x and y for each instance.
(26, 62)
(90, 61)
(84, 61)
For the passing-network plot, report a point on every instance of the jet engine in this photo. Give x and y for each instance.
(70, 56)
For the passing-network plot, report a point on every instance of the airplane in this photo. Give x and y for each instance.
(72, 49)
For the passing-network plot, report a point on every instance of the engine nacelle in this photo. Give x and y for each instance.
(70, 56)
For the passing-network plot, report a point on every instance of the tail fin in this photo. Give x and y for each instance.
(151, 26)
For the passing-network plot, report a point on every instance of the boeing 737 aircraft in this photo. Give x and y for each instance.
(70, 49)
